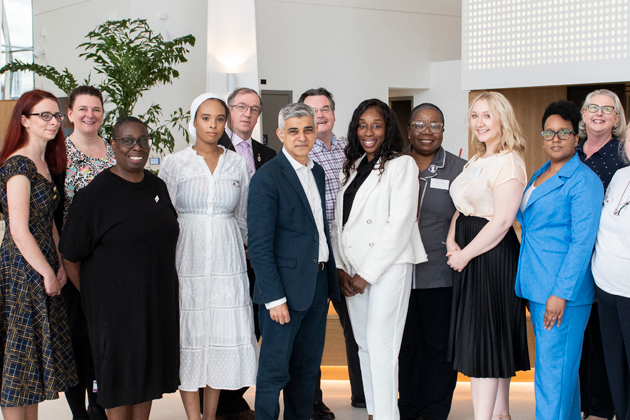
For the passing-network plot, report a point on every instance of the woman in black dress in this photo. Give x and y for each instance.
(118, 246)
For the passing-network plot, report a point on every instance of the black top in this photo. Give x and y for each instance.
(604, 162)
(363, 171)
(125, 235)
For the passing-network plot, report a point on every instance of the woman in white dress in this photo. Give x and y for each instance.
(208, 186)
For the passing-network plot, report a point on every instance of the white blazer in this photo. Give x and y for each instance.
(382, 228)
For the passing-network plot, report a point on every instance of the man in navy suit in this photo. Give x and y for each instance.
(289, 247)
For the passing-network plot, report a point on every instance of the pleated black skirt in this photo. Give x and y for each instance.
(488, 336)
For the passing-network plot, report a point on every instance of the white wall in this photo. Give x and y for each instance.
(355, 49)
(446, 92)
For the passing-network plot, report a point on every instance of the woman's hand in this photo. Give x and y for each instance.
(457, 260)
(345, 283)
(451, 246)
(62, 278)
(359, 284)
(51, 283)
(554, 310)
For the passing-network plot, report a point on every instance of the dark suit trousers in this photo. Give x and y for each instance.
(595, 397)
(426, 378)
(290, 356)
(614, 318)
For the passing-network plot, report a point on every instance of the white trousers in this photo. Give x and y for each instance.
(378, 320)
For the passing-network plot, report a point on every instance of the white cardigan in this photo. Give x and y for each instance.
(382, 228)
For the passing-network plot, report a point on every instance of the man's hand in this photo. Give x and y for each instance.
(280, 314)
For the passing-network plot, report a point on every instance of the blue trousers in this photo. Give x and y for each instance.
(558, 352)
(290, 356)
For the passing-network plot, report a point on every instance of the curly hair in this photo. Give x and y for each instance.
(392, 146)
(566, 110)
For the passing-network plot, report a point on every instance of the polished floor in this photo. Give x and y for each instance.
(336, 396)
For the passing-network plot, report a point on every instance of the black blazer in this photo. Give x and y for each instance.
(262, 153)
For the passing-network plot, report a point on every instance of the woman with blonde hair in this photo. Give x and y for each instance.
(488, 338)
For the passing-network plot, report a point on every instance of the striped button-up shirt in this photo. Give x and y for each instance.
(332, 161)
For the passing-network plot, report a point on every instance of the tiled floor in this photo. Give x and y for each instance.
(336, 396)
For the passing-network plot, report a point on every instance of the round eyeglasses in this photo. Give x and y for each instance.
(130, 142)
(47, 116)
(548, 135)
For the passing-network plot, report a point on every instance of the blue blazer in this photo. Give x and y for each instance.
(283, 241)
(559, 225)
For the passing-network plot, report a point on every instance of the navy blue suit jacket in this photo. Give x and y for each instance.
(283, 241)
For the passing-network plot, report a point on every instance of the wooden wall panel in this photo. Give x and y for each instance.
(6, 108)
(529, 105)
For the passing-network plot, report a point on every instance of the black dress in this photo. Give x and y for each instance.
(125, 235)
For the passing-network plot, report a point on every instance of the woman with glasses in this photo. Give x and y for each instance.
(119, 245)
(88, 154)
(611, 265)
(603, 124)
(208, 185)
(376, 243)
(559, 217)
(427, 378)
(35, 347)
(488, 336)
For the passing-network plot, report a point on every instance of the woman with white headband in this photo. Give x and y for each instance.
(208, 186)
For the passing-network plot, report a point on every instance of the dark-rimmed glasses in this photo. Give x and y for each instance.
(548, 135)
(606, 109)
(420, 126)
(130, 142)
(47, 116)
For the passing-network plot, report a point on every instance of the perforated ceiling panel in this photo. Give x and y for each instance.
(513, 43)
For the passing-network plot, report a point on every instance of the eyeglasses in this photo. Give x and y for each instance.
(47, 116)
(548, 135)
(606, 109)
(130, 142)
(420, 126)
(621, 208)
(244, 108)
(324, 110)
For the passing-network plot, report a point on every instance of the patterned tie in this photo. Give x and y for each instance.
(246, 151)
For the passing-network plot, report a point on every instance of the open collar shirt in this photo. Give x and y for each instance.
(332, 161)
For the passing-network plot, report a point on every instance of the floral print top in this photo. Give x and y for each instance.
(81, 169)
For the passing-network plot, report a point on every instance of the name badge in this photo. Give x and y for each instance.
(440, 184)
(474, 173)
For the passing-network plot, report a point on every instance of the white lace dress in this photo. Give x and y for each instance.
(217, 341)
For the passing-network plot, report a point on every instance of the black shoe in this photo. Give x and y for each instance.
(358, 401)
(321, 412)
(96, 413)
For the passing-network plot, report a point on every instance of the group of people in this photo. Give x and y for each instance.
(175, 278)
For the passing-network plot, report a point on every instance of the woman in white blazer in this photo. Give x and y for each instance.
(376, 243)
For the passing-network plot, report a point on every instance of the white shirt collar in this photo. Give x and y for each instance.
(297, 165)
(235, 138)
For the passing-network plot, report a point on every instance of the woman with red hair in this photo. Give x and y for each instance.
(35, 348)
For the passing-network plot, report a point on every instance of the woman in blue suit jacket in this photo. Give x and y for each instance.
(559, 215)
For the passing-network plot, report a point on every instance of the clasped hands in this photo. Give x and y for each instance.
(456, 258)
(350, 286)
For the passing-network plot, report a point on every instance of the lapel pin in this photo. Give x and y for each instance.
(258, 158)
(433, 169)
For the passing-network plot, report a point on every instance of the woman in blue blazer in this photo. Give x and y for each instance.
(559, 215)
